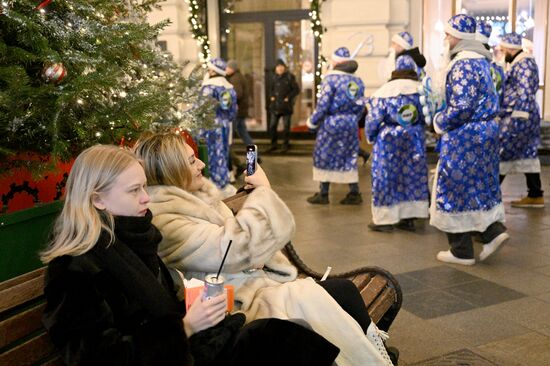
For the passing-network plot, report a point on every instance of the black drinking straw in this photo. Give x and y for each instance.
(223, 260)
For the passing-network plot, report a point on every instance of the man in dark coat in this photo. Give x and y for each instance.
(283, 90)
(237, 79)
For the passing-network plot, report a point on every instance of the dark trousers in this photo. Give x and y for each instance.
(462, 245)
(348, 297)
(325, 186)
(534, 185)
(274, 123)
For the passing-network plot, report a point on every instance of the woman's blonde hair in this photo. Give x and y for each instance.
(77, 228)
(164, 159)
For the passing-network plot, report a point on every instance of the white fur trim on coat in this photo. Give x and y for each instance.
(389, 215)
(335, 176)
(510, 45)
(520, 166)
(482, 38)
(397, 87)
(218, 81)
(462, 222)
(458, 34)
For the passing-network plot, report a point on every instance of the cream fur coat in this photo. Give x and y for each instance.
(196, 230)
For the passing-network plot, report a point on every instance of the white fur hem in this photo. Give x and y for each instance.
(389, 215)
(520, 166)
(401, 41)
(461, 222)
(397, 87)
(455, 33)
(520, 114)
(218, 81)
(335, 176)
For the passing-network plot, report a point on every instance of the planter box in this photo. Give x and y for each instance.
(23, 234)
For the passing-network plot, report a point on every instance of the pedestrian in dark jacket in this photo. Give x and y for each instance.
(237, 79)
(283, 91)
(110, 300)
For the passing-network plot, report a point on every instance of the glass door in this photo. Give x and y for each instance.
(256, 40)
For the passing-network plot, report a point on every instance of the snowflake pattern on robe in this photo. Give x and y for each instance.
(336, 115)
(217, 139)
(404, 62)
(468, 169)
(399, 167)
(520, 137)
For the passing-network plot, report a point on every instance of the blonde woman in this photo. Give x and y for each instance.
(111, 300)
(197, 227)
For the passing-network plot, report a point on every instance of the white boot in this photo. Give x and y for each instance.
(493, 246)
(377, 338)
(448, 257)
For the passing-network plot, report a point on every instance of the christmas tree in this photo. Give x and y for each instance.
(79, 72)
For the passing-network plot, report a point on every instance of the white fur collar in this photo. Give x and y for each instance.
(218, 81)
(463, 55)
(397, 87)
(520, 57)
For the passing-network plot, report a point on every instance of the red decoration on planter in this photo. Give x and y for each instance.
(54, 73)
(19, 190)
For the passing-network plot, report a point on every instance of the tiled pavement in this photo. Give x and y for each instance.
(493, 313)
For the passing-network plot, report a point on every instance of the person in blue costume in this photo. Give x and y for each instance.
(402, 55)
(483, 33)
(466, 198)
(335, 118)
(217, 139)
(395, 125)
(520, 121)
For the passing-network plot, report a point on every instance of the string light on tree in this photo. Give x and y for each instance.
(318, 30)
(196, 9)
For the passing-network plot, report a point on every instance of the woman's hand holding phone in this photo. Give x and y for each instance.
(258, 179)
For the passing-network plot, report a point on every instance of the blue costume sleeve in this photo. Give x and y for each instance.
(234, 106)
(461, 92)
(374, 119)
(323, 105)
(207, 90)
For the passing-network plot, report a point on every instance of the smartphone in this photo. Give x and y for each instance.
(251, 159)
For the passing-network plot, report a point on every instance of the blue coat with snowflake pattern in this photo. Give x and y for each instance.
(395, 125)
(467, 193)
(336, 115)
(520, 118)
(217, 139)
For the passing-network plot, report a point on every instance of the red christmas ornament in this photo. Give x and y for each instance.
(43, 4)
(54, 73)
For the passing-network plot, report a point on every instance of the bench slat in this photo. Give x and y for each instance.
(22, 279)
(21, 293)
(373, 289)
(57, 361)
(21, 325)
(361, 280)
(29, 352)
(382, 303)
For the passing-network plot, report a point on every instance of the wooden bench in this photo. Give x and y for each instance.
(379, 288)
(23, 339)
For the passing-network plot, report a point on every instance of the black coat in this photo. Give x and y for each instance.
(283, 89)
(107, 307)
(116, 305)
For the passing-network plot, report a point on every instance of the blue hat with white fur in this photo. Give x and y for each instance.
(461, 26)
(218, 65)
(484, 30)
(404, 39)
(341, 55)
(511, 40)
